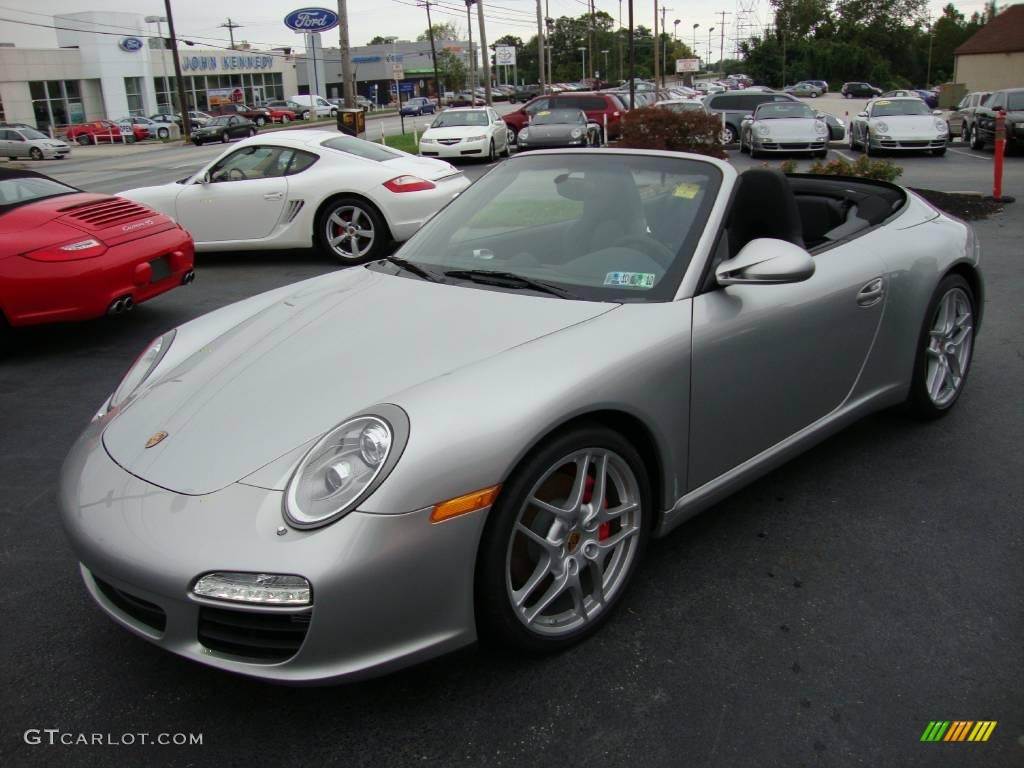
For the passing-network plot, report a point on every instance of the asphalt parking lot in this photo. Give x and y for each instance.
(820, 617)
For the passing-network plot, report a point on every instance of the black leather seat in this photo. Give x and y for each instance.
(763, 206)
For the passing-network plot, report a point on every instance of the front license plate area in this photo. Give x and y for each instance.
(161, 269)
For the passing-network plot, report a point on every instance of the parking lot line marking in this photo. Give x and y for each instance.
(843, 155)
(970, 154)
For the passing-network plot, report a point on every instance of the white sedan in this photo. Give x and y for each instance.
(784, 126)
(466, 132)
(899, 124)
(296, 189)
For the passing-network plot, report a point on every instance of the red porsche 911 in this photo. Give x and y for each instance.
(72, 255)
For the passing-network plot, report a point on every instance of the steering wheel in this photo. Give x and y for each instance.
(236, 174)
(649, 247)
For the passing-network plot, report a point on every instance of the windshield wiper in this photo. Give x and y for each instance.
(415, 269)
(507, 280)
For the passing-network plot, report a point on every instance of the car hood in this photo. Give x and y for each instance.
(789, 128)
(455, 132)
(909, 125)
(553, 131)
(305, 363)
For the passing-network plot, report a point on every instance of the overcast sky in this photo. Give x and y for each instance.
(262, 22)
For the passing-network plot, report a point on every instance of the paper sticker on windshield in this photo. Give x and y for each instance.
(545, 113)
(882, 103)
(630, 279)
(686, 190)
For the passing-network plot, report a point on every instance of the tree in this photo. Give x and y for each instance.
(451, 71)
(442, 32)
(379, 40)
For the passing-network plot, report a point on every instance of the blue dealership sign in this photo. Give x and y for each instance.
(130, 44)
(311, 20)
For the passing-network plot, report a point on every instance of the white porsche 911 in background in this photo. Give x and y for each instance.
(784, 126)
(297, 189)
(903, 123)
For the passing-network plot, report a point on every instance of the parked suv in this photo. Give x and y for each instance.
(598, 106)
(524, 93)
(961, 119)
(860, 90)
(736, 105)
(258, 115)
(984, 132)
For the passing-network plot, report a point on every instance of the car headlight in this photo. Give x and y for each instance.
(881, 127)
(143, 366)
(940, 125)
(821, 129)
(762, 130)
(576, 133)
(344, 467)
(428, 141)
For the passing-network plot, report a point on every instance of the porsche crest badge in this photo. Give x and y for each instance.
(156, 438)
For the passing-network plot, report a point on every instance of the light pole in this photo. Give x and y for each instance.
(605, 52)
(472, 56)
(695, 39)
(583, 51)
(710, 30)
(158, 20)
(675, 29)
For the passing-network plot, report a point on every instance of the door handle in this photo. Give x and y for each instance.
(871, 293)
(273, 196)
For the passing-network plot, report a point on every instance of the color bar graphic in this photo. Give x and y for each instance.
(958, 730)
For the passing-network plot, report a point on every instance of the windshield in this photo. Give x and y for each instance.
(32, 133)
(887, 108)
(453, 119)
(1015, 100)
(218, 121)
(556, 116)
(603, 228)
(20, 190)
(366, 149)
(782, 109)
(684, 106)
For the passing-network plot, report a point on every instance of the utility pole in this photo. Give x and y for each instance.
(632, 58)
(483, 50)
(590, 41)
(931, 38)
(721, 45)
(433, 53)
(549, 24)
(186, 124)
(472, 56)
(231, 27)
(664, 46)
(540, 50)
(348, 89)
(618, 34)
(656, 43)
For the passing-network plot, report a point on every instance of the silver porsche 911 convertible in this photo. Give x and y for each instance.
(476, 437)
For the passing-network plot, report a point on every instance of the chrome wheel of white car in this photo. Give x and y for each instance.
(351, 230)
(563, 540)
(947, 348)
(728, 135)
(162, 133)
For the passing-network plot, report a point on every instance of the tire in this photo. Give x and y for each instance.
(867, 145)
(753, 152)
(491, 154)
(513, 134)
(285, 120)
(848, 95)
(197, 142)
(507, 152)
(334, 113)
(934, 358)
(814, 95)
(163, 133)
(351, 211)
(729, 135)
(260, 122)
(976, 141)
(225, 138)
(35, 153)
(506, 547)
(252, 132)
(129, 139)
(84, 140)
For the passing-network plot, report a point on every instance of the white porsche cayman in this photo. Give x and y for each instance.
(296, 189)
(903, 123)
(784, 126)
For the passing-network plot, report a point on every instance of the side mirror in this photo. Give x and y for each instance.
(766, 261)
(820, 115)
(747, 117)
(937, 112)
(205, 178)
(862, 114)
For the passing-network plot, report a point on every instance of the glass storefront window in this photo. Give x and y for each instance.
(133, 91)
(56, 102)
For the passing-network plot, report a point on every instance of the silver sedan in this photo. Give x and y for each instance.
(477, 437)
(22, 141)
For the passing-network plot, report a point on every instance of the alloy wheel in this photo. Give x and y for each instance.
(36, 153)
(949, 345)
(574, 541)
(350, 232)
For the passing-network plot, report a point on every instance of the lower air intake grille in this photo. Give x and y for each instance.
(259, 636)
(143, 611)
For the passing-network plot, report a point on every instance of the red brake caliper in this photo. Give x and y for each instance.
(605, 530)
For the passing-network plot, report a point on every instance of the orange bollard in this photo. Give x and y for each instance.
(1000, 134)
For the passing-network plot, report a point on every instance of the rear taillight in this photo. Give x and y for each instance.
(89, 248)
(408, 184)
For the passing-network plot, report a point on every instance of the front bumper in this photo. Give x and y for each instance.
(460, 149)
(388, 590)
(768, 145)
(35, 292)
(907, 143)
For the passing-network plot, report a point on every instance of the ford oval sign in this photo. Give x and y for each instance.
(130, 44)
(311, 20)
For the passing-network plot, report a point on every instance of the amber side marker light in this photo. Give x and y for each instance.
(464, 504)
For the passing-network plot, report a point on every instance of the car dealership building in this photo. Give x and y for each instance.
(111, 65)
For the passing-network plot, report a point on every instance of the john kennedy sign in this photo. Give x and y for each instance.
(311, 20)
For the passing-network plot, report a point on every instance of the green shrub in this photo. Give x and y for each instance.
(862, 167)
(659, 128)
